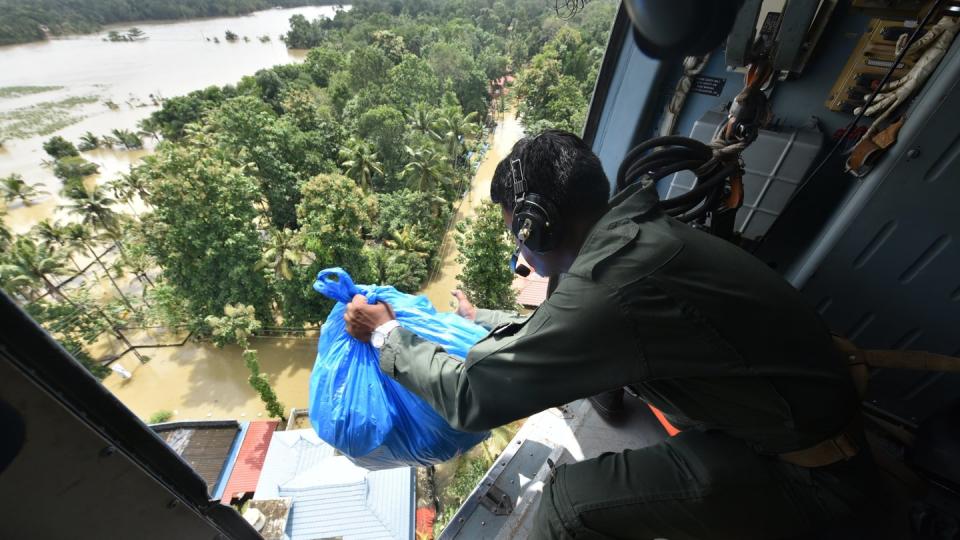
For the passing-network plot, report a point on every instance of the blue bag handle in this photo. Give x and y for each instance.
(340, 289)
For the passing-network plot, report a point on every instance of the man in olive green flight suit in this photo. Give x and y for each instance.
(700, 329)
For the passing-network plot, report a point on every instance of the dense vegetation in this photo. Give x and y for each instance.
(353, 158)
(22, 20)
(484, 245)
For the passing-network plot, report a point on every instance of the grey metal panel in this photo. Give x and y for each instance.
(793, 29)
(70, 482)
(774, 166)
(794, 101)
(516, 466)
(741, 35)
(886, 269)
(633, 83)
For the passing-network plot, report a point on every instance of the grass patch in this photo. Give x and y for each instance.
(17, 91)
(43, 118)
(160, 417)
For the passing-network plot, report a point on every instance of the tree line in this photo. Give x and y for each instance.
(22, 21)
(353, 158)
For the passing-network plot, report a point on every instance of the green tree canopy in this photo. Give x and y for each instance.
(202, 229)
(57, 147)
(485, 249)
(384, 127)
(333, 215)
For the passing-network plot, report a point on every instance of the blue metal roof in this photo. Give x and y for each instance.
(332, 496)
(290, 454)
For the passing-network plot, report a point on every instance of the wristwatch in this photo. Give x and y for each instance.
(379, 336)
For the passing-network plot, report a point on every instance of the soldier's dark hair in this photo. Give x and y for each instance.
(557, 165)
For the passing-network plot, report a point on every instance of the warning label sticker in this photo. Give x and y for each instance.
(710, 86)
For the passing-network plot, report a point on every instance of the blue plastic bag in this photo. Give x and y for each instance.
(359, 410)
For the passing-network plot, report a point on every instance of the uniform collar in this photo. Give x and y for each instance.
(615, 229)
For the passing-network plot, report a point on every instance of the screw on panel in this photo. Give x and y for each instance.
(107, 451)
(172, 504)
(913, 153)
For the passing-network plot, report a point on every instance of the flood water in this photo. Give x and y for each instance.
(174, 60)
(195, 380)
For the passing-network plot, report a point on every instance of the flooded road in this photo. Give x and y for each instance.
(507, 132)
(93, 85)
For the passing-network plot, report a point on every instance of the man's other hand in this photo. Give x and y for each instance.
(464, 308)
(363, 318)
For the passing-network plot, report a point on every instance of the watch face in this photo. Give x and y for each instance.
(377, 339)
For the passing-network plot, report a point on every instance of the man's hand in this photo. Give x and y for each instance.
(363, 318)
(464, 308)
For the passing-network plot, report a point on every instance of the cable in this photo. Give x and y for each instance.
(935, 8)
(712, 165)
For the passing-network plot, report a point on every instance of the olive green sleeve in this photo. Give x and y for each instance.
(492, 318)
(579, 343)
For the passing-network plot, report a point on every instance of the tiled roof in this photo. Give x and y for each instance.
(204, 445)
(249, 462)
(331, 496)
(531, 290)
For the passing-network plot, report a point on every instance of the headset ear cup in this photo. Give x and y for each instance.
(544, 222)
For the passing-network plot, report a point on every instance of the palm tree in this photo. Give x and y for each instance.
(88, 141)
(408, 239)
(284, 251)
(360, 163)
(453, 130)
(93, 205)
(84, 235)
(135, 184)
(33, 263)
(14, 187)
(422, 119)
(127, 138)
(122, 192)
(426, 169)
(53, 232)
(14, 282)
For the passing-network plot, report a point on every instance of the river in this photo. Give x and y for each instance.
(82, 74)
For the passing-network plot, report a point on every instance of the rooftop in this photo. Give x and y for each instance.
(249, 461)
(204, 445)
(332, 497)
(531, 290)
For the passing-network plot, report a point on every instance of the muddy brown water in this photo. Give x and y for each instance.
(175, 59)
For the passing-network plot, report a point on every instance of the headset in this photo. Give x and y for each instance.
(536, 220)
